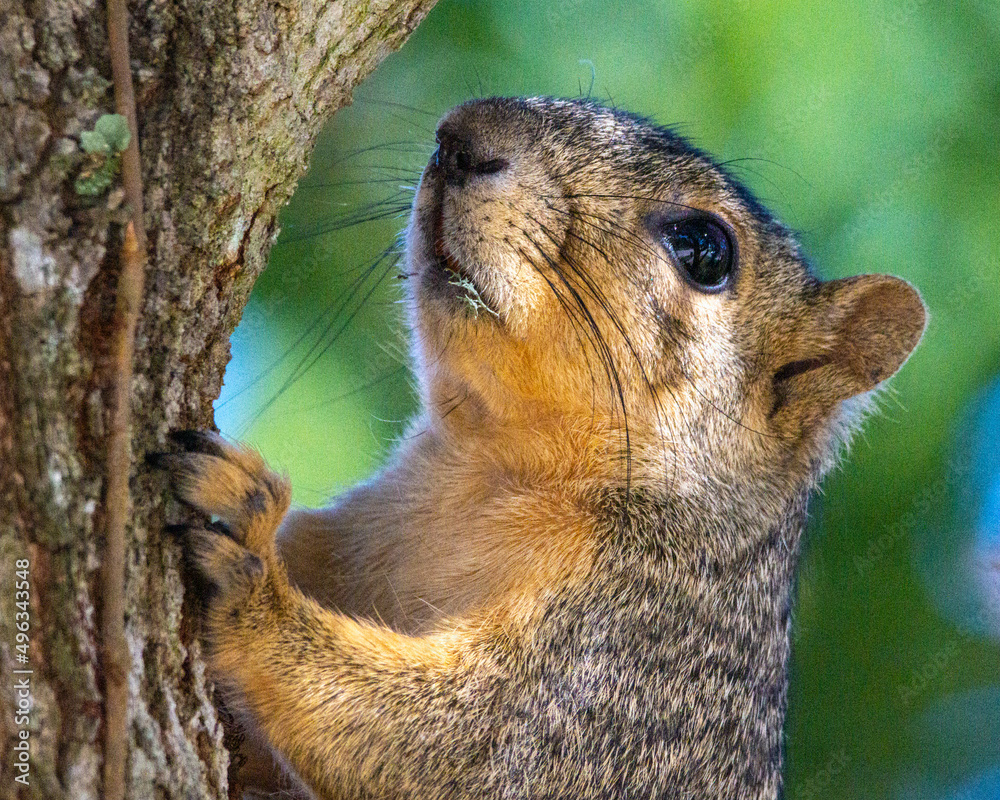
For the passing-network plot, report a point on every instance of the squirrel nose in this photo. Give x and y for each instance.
(460, 158)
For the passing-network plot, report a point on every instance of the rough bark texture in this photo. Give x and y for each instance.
(231, 95)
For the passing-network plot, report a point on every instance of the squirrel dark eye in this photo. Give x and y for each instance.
(702, 249)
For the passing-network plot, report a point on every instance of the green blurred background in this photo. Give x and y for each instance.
(869, 127)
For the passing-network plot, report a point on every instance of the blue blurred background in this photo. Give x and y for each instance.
(869, 127)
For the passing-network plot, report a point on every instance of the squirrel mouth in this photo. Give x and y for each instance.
(457, 281)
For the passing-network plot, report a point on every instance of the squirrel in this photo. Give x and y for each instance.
(573, 578)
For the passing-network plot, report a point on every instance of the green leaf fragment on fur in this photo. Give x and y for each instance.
(471, 295)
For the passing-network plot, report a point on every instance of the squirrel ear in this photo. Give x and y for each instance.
(863, 330)
(877, 321)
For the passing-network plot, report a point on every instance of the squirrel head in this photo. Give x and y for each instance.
(581, 272)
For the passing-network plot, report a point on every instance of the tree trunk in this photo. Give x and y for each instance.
(230, 97)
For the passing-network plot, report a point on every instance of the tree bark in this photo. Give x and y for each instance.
(230, 98)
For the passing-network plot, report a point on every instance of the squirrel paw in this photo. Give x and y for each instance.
(233, 485)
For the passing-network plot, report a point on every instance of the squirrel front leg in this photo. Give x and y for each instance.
(356, 709)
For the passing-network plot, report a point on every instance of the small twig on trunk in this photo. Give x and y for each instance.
(119, 461)
(118, 501)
